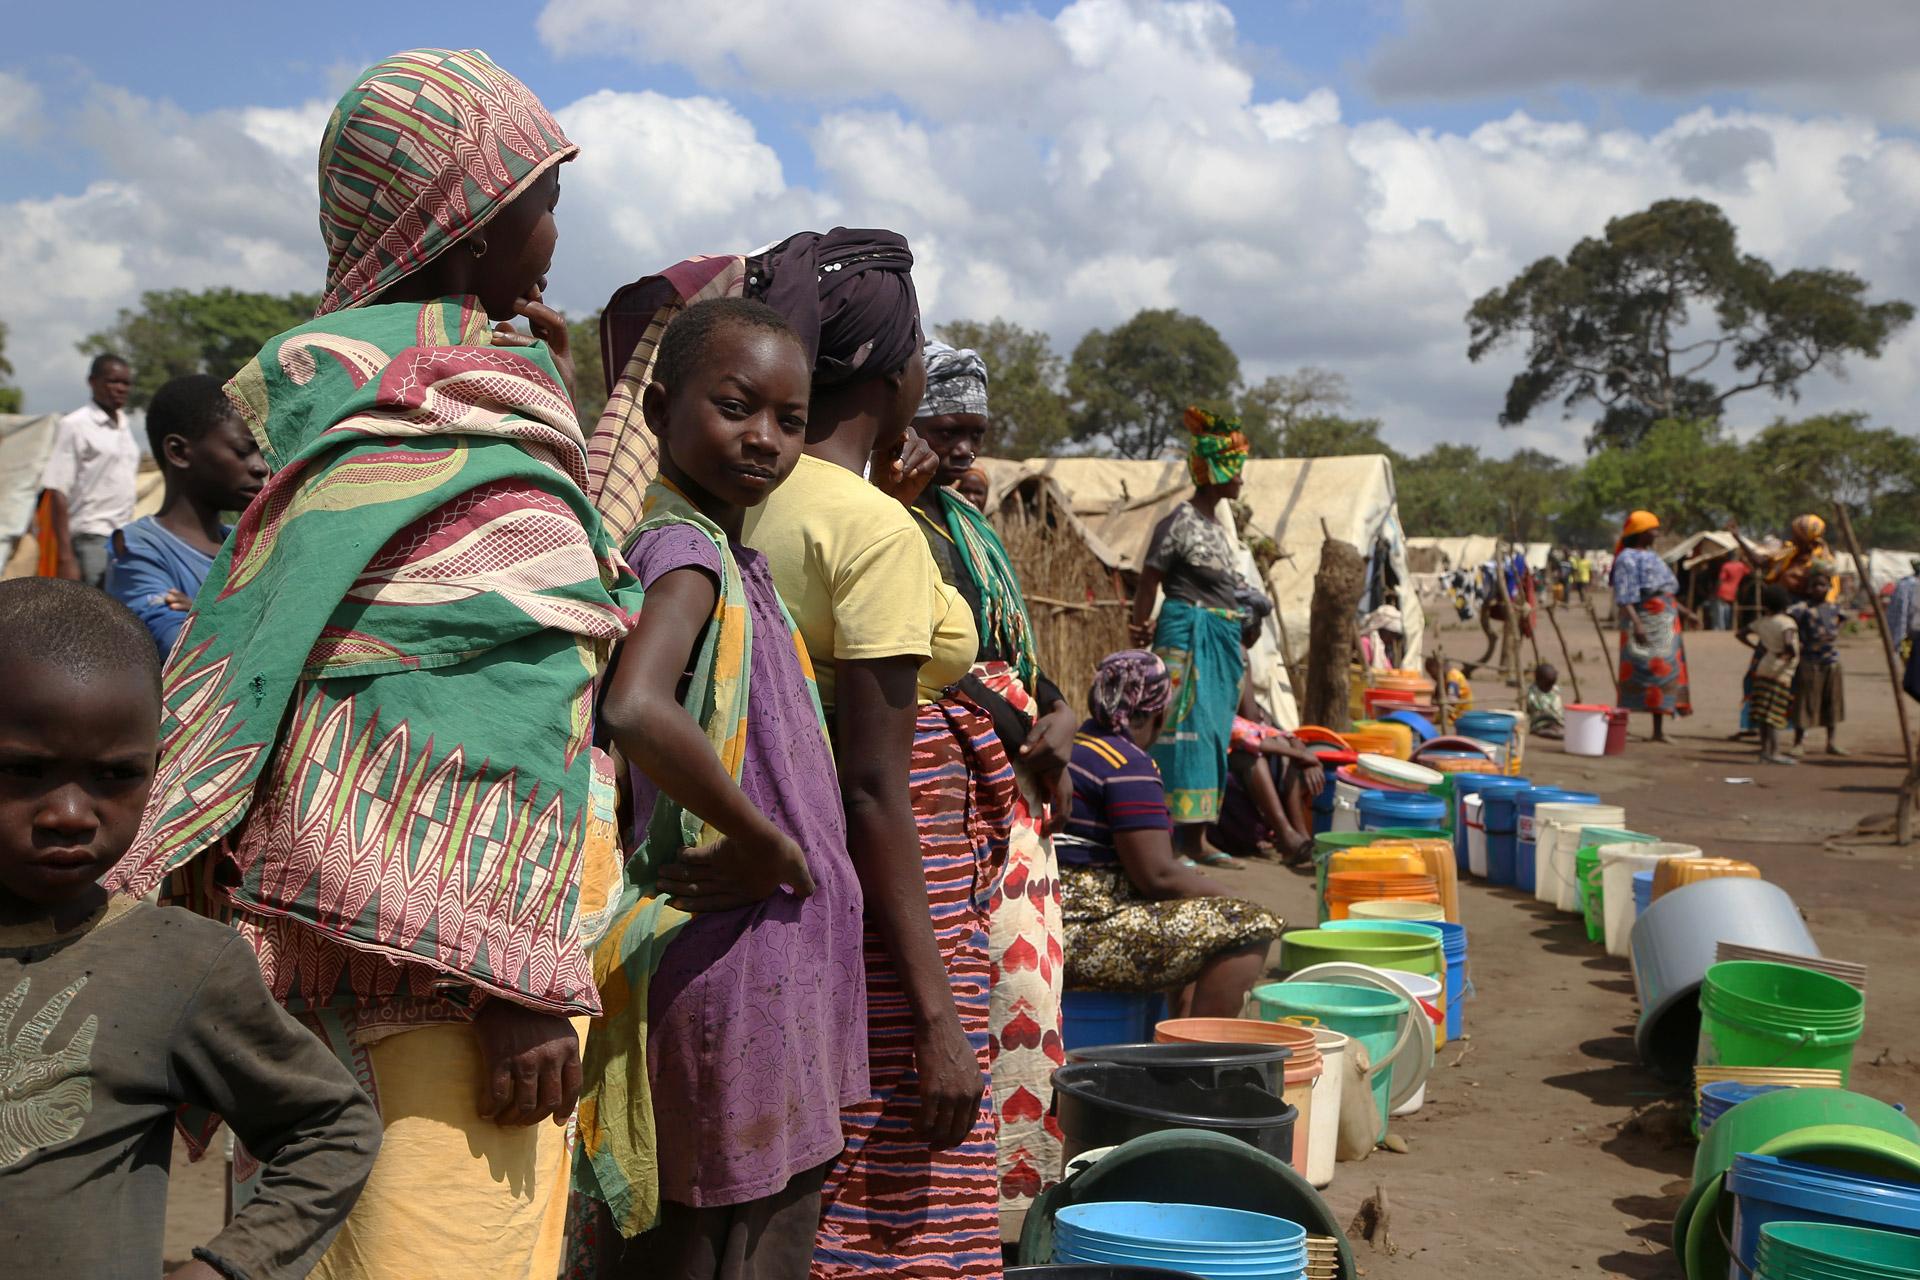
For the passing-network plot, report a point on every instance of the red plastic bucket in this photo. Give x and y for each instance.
(1616, 731)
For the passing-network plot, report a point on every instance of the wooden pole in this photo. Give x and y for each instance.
(1441, 702)
(1903, 817)
(1606, 654)
(1566, 653)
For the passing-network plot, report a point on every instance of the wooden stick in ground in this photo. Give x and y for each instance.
(1606, 655)
(1903, 817)
(1441, 703)
(1565, 653)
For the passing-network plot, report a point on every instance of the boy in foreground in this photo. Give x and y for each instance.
(212, 466)
(113, 1012)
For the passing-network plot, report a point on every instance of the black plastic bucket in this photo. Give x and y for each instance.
(1092, 1271)
(1263, 1066)
(1103, 1104)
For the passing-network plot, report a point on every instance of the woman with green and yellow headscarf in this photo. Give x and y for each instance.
(1191, 558)
(375, 758)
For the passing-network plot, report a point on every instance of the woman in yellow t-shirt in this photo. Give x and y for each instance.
(924, 780)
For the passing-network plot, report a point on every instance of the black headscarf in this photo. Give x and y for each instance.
(848, 294)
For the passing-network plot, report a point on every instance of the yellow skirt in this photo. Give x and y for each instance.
(452, 1194)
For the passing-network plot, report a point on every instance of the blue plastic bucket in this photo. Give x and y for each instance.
(1222, 1244)
(1382, 809)
(1722, 1096)
(1642, 892)
(1500, 814)
(1453, 943)
(1485, 726)
(1483, 785)
(1525, 803)
(1089, 1018)
(1768, 1189)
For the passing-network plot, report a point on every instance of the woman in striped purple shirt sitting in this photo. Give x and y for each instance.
(1137, 917)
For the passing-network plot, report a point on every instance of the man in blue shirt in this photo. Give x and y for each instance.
(212, 466)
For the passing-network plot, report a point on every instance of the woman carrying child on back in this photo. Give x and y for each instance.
(755, 1017)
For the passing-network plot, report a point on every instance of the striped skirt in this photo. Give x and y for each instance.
(892, 1205)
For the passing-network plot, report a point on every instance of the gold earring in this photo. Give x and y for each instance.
(478, 248)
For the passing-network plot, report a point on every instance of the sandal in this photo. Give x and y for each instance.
(1216, 858)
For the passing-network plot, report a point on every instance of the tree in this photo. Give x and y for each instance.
(589, 376)
(9, 396)
(215, 331)
(1327, 435)
(1614, 323)
(1528, 487)
(1805, 465)
(1132, 385)
(1690, 473)
(1270, 412)
(1024, 380)
(1445, 493)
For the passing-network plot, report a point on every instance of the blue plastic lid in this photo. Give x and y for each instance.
(1490, 782)
(1834, 1192)
(1486, 726)
(1403, 803)
(1555, 795)
(1423, 728)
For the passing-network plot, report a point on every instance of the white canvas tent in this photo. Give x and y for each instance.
(1295, 501)
(1886, 566)
(1457, 553)
(25, 440)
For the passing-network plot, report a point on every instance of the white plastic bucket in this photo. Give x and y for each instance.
(1434, 992)
(1557, 841)
(1618, 862)
(1476, 836)
(1323, 1138)
(1346, 807)
(1586, 731)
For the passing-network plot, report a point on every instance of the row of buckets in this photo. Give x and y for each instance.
(1796, 1177)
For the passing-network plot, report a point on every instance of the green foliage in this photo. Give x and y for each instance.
(1325, 435)
(1271, 412)
(1690, 472)
(1132, 384)
(9, 396)
(1616, 323)
(1024, 385)
(1807, 465)
(177, 332)
(589, 377)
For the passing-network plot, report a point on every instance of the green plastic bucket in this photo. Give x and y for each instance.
(1326, 843)
(1756, 1014)
(1586, 873)
(1381, 948)
(1366, 1014)
(1833, 1251)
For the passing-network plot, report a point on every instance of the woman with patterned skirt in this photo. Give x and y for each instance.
(1035, 724)
(1137, 919)
(1191, 557)
(1653, 657)
(914, 1192)
(375, 760)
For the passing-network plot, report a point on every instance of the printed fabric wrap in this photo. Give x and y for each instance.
(1201, 648)
(616, 1164)
(1003, 606)
(1218, 451)
(379, 709)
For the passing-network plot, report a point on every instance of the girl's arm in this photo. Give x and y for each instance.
(642, 713)
(875, 704)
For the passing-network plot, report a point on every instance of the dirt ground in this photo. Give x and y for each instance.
(1527, 1160)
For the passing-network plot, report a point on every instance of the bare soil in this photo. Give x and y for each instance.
(1544, 1148)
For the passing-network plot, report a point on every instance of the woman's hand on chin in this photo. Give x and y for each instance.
(548, 326)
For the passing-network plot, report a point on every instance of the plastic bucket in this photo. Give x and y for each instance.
(1362, 1013)
(1438, 855)
(1344, 888)
(1767, 1189)
(1586, 730)
(1103, 1104)
(1618, 862)
(1381, 948)
(1642, 893)
(1205, 1239)
(1431, 995)
(1676, 942)
(1380, 809)
(1094, 1271)
(1453, 945)
(1435, 929)
(1384, 856)
(1108, 1017)
(1557, 828)
(1323, 1139)
(1473, 784)
(1586, 873)
(1395, 909)
(1755, 1014)
(1832, 1251)
(1678, 873)
(1486, 726)
(1211, 1065)
(1526, 853)
(1326, 844)
(1617, 731)
(1722, 1096)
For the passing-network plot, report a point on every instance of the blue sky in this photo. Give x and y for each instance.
(1330, 182)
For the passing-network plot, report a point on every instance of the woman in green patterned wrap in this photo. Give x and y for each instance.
(375, 759)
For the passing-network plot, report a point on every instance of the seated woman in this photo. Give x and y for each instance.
(1136, 918)
(1272, 779)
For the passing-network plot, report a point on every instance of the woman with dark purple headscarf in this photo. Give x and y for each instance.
(924, 781)
(1137, 918)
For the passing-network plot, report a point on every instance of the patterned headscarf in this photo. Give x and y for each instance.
(1132, 682)
(1636, 522)
(956, 382)
(1806, 530)
(424, 150)
(1219, 450)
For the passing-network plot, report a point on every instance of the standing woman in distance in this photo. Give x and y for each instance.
(1191, 557)
(374, 751)
(924, 784)
(1653, 655)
